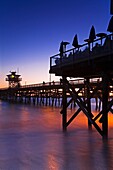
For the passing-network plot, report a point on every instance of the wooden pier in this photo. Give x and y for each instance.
(93, 59)
(47, 93)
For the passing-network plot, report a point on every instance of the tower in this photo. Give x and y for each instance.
(13, 79)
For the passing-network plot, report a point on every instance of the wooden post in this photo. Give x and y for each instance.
(40, 98)
(52, 101)
(34, 100)
(46, 96)
(49, 100)
(96, 101)
(55, 100)
(105, 93)
(88, 102)
(58, 100)
(99, 104)
(37, 99)
(64, 104)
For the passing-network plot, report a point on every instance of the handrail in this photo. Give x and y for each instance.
(55, 83)
(63, 60)
(82, 45)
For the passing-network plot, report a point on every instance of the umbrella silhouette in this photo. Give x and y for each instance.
(110, 26)
(65, 43)
(63, 47)
(92, 35)
(111, 7)
(101, 35)
(75, 41)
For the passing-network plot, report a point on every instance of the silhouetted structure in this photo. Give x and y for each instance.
(63, 48)
(50, 93)
(75, 42)
(101, 35)
(92, 35)
(110, 26)
(13, 79)
(88, 62)
(111, 7)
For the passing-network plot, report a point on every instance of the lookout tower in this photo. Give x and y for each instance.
(13, 79)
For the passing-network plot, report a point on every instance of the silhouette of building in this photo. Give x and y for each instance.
(13, 79)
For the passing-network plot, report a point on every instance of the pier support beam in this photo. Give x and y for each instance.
(88, 101)
(105, 93)
(64, 104)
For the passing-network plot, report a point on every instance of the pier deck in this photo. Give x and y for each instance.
(91, 60)
(85, 61)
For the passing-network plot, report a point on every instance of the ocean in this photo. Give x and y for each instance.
(31, 138)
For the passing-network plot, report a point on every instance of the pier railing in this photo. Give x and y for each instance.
(87, 51)
(55, 83)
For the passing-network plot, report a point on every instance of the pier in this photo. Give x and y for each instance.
(48, 93)
(68, 93)
(86, 72)
(94, 59)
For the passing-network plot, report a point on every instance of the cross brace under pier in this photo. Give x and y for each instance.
(85, 104)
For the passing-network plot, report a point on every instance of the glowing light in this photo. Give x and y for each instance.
(12, 76)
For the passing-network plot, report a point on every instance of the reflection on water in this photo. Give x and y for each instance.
(31, 138)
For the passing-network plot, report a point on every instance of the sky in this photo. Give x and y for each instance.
(31, 32)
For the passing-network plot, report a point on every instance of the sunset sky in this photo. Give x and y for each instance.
(31, 31)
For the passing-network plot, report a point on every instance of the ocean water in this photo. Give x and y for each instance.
(31, 138)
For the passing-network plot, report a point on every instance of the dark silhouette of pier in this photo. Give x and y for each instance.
(90, 64)
(48, 93)
(93, 59)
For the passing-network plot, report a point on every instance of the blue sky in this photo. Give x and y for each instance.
(31, 31)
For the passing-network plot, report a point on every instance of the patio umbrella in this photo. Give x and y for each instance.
(101, 35)
(63, 47)
(110, 26)
(92, 35)
(75, 41)
(111, 7)
(65, 43)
